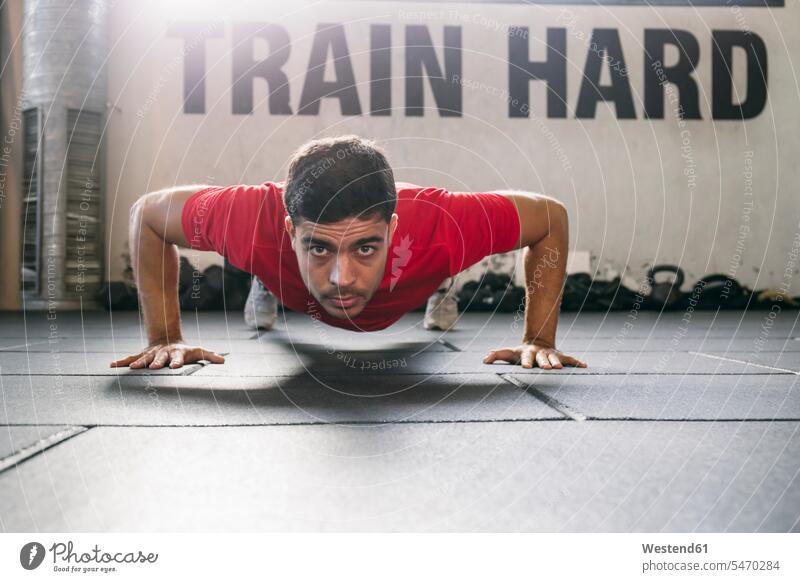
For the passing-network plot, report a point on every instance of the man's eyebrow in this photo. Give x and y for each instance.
(367, 240)
(309, 240)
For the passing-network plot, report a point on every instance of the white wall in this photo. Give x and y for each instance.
(624, 180)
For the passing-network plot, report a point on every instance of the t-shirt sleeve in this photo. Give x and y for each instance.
(476, 225)
(226, 219)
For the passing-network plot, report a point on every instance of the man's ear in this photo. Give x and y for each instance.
(392, 226)
(289, 225)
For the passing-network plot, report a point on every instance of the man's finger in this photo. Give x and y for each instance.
(125, 361)
(554, 361)
(160, 359)
(541, 359)
(213, 357)
(177, 359)
(570, 361)
(505, 354)
(145, 359)
(201, 354)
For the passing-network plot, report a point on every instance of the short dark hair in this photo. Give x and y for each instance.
(333, 178)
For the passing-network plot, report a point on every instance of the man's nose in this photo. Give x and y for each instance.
(342, 273)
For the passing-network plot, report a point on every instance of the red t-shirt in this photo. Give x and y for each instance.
(439, 234)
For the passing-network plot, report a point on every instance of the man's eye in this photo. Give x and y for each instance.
(366, 250)
(318, 251)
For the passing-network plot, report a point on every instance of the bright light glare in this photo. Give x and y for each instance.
(209, 10)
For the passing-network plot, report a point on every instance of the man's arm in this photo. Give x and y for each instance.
(544, 233)
(155, 230)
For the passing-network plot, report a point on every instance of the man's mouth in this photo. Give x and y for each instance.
(344, 302)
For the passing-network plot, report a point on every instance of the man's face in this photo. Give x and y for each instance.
(342, 263)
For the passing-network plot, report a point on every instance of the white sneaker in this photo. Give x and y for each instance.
(442, 309)
(261, 307)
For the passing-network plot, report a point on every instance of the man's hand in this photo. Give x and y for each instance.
(528, 354)
(156, 231)
(174, 354)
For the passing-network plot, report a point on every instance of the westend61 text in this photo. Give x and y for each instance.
(671, 549)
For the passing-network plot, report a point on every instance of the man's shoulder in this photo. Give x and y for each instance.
(420, 211)
(411, 190)
(272, 195)
(423, 199)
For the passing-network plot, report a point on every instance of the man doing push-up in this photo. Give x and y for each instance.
(341, 241)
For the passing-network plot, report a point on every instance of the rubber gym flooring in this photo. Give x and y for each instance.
(680, 423)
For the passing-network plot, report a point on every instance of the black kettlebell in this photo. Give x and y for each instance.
(719, 292)
(466, 297)
(665, 294)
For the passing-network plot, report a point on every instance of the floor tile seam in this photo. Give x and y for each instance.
(26, 453)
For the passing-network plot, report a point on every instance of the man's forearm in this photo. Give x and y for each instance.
(156, 268)
(545, 267)
(156, 232)
(544, 234)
